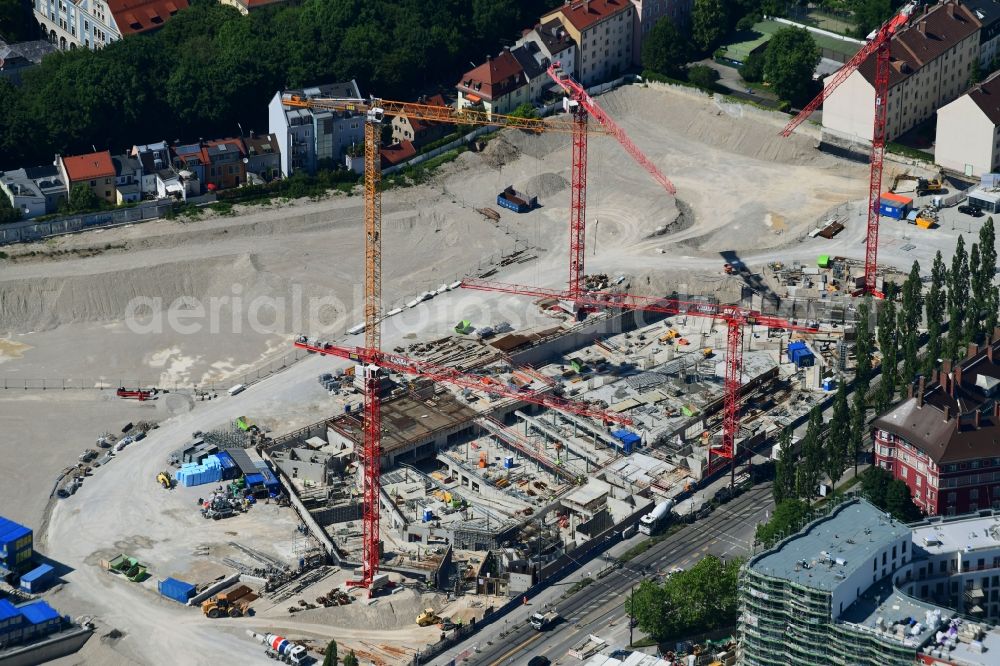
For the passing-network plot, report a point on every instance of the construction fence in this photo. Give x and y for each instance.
(32, 230)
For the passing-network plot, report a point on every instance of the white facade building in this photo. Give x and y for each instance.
(93, 24)
(932, 60)
(968, 131)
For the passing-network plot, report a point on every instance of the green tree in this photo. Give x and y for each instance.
(863, 348)
(351, 659)
(858, 421)
(909, 322)
(708, 24)
(812, 458)
(7, 212)
(976, 75)
(82, 199)
(525, 110)
(887, 344)
(934, 307)
(703, 598)
(665, 50)
(789, 62)
(784, 469)
(838, 440)
(648, 606)
(889, 494)
(752, 69)
(789, 517)
(984, 293)
(330, 657)
(870, 14)
(958, 296)
(702, 76)
(17, 24)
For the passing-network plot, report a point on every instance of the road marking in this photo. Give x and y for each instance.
(515, 649)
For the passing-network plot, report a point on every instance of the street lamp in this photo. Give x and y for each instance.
(631, 610)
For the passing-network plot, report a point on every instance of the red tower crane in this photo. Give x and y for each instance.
(582, 104)
(736, 317)
(880, 46)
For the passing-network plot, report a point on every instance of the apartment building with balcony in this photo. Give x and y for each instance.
(499, 85)
(826, 595)
(942, 439)
(602, 31)
(310, 139)
(932, 58)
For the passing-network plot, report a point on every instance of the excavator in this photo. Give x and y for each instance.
(927, 186)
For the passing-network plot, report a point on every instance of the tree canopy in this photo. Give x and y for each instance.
(210, 68)
(789, 516)
(703, 598)
(665, 50)
(889, 494)
(708, 23)
(17, 23)
(789, 62)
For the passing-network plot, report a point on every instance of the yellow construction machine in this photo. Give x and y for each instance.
(165, 480)
(427, 618)
(233, 603)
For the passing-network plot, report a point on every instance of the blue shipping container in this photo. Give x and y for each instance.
(895, 212)
(38, 579)
(175, 589)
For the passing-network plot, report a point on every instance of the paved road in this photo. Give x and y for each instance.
(599, 607)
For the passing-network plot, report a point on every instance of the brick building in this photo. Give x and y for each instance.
(943, 441)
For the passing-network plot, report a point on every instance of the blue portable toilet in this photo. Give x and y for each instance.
(428, 515)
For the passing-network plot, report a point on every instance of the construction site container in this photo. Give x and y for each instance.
(38, 579)
(516, 201)
(16, 546)
(894, 205)
(175, 589)
(271, 483)
(229, 469)
(629, 440)
(823, 260)
(801, 355)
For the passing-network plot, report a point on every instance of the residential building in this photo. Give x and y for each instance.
(153, 158)
(263, 157)
(420, 132)
(397, 153)
(189, 157)
(602, 31)
(310, 139)
(941, 440)
(498, 85)
(649, 12)
(96, 23)
(547, 43)
(15, 59)
(988, 14)
(93, 170)
(34, 191)
(932, 59)
(226, 167)
(246, 6)
(535, 68)
(127, 178)
(828, 595)
(968, 130)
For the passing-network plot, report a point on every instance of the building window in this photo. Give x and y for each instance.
(974, 494)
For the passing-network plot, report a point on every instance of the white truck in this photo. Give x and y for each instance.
(542, 621)
(656, 518)
(280, 648)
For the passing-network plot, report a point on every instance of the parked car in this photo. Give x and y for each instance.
(969, 209)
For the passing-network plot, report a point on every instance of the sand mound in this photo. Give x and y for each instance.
(499, 152)
(545, 185)
(396, 611)
(44, 303)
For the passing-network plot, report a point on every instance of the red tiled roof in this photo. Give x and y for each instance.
(89, 167)
(494, 78)
(420, 125)
(396, 153)
(584, 13)
(926, 37)
(135, 16)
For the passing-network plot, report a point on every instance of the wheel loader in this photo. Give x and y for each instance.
(427, 618)
(165, 480)
(233, 603)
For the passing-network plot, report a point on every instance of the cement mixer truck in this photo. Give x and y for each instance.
(280, 648)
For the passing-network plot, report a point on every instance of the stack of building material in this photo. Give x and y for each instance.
(190, 474)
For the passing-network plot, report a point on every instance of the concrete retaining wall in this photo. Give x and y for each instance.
(212, 589)
(53, 647)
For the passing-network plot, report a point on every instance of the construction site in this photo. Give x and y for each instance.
(445, 436)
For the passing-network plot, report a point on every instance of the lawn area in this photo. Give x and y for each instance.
(746, 42)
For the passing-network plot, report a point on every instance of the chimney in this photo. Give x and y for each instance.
(989, 352)
(996, 334)
(922, 27)
(934, 376)
(956, 378)
(909, 391)
(951, 9)
(976, 419)
(972, 350)
(996, 412)
(920, 392)
(947, 413)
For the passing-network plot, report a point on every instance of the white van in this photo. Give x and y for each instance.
(239, 388)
